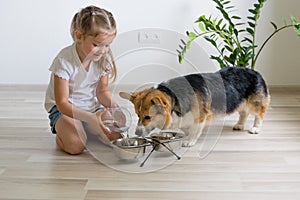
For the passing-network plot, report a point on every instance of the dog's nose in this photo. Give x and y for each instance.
(140, 130)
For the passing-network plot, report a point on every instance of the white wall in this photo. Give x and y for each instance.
(33, 31)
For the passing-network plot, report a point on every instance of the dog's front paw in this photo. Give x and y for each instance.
(238, 127)
(254, 130)
(187, 143)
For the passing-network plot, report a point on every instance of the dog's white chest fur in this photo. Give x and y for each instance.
(182, 122)
(188, 125)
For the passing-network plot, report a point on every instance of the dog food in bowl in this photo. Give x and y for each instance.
(162, 136)
(130, 148)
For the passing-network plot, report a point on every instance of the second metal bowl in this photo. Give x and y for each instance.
(130, 148)
(172, 139)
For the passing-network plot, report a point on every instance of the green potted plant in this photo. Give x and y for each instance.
(233, 39)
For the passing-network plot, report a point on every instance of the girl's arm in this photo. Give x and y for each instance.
(104, 97)
(103, 94)
(61, 93)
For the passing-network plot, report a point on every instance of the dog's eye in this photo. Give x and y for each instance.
(147, 117)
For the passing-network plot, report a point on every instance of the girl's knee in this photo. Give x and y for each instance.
(75, 149)
(73, 146)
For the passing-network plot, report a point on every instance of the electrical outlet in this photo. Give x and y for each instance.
(148, 37)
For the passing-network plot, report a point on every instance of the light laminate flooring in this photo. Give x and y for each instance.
(239, 167)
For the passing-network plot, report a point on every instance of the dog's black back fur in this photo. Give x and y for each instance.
(226, 89)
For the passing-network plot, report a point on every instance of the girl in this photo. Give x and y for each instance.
(78, 87)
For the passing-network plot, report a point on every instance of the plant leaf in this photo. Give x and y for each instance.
(182, 41)
(220, 61)
(252, 11)
(202, 26)
(188, 44)
(213, 42)
(249, 30)
(251, 24)
(236, 17)
(274, 25)
(251, 18)
(191, 35)
(180, 59)
(246, 39)
(296, 25)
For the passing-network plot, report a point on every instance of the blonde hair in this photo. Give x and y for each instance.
(94, 21)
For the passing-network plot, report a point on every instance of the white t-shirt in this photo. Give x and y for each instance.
(82, 83)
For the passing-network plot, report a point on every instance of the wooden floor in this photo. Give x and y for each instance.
(240, 167)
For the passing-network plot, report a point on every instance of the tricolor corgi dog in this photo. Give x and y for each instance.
(188, 102)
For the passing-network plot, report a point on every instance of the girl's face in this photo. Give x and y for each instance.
(93, 48)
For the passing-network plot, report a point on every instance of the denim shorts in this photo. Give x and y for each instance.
(54, 114)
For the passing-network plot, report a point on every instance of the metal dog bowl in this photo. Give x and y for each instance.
(167, 140)
(130, 148)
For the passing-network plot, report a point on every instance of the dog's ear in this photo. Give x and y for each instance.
(125, 95)
(159, 104)
(158, 101)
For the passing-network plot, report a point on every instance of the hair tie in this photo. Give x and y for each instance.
(93, 14)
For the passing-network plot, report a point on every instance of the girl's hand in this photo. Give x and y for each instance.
(110, 135)
(105, 130)
(120, 117)
(96, 127)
